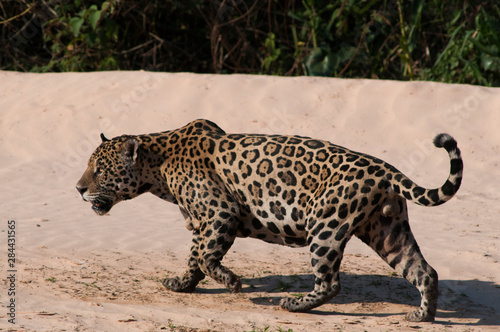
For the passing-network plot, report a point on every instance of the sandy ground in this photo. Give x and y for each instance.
(76, 271)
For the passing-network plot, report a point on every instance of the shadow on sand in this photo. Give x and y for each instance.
(455, 299)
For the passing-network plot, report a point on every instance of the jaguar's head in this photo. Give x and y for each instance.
(112, 174)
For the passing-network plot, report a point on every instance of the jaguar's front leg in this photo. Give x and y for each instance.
(193, 275)
(217, 237)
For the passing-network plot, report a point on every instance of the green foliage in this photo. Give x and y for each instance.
(82, 40)
(271, 54)
(448, 41)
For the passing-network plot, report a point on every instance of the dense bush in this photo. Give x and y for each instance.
(450, 41)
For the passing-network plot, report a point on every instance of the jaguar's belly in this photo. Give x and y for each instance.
(284, 232)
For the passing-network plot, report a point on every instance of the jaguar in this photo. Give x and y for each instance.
(290, 190)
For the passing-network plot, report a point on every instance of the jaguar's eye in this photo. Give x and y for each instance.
(98, 171)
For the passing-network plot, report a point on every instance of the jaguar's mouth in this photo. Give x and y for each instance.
(102, 206)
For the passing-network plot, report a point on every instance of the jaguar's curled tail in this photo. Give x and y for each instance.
(432, 197)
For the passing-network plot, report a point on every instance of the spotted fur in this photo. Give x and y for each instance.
(290, 190)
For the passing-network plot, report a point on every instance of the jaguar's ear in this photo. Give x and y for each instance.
(103, 138)
(129, 150)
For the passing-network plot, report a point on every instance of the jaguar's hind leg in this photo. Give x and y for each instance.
(326, 287)
(327, 246)
(389, 234)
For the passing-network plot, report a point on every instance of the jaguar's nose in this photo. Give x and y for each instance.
(81, 189)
